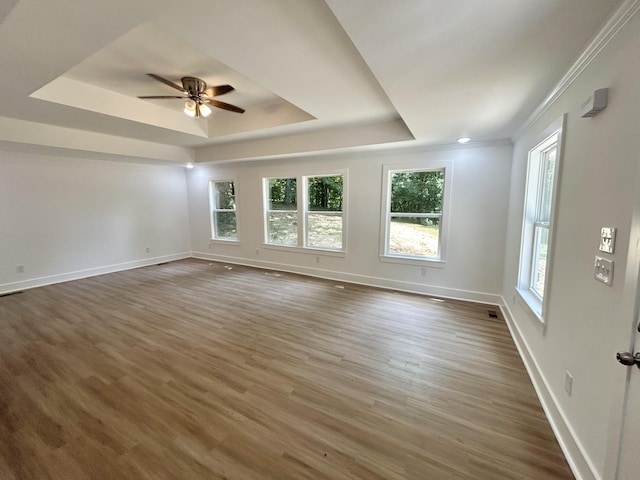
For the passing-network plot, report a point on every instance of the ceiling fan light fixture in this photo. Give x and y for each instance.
(190, 108)
(205, 110)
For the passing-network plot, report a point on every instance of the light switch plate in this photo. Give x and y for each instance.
(607, 239)
(604, 270)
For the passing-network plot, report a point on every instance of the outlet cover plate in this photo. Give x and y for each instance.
(604, 270)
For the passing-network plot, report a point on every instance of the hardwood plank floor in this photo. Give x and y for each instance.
(193, 370)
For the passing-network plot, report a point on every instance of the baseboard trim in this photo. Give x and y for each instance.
(389, 284)
(581, 466)
(90, 272)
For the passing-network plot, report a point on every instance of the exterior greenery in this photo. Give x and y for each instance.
(323, 210)
(223, 205)
(415, 213)
(417, 192)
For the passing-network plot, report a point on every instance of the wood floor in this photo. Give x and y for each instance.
(194, 370)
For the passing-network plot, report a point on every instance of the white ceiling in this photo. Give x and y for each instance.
(312, 75)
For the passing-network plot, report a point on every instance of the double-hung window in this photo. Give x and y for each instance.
(305, 211)
(535, 252)
(413, 221)
(222, 201)
(282, 211)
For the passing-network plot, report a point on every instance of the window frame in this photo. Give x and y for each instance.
(302, 211)
(386, 214)
(213, 209)
(532, 226)
(266, 202)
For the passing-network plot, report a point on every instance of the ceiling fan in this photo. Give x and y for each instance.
(198, 97)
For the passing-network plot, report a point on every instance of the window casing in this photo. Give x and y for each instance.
(537, 226)
(414, 220)
(305, 211)
(224, 215)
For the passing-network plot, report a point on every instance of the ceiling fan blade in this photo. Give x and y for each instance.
(224, 106)
(218, 90)
(162, 96)
(166, 82)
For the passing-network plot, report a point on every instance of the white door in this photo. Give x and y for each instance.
(629, 465)
(629, 459)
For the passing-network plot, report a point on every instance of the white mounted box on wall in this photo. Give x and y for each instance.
(595, 103)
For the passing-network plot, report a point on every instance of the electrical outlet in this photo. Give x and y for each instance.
(317, 259)
(423, 271)
(257, 251)
(568, 382)
(147, 249)
(19, 268)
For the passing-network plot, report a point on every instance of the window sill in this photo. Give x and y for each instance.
(219, 241)
(425, 262)
(533, 303)
(307, 250)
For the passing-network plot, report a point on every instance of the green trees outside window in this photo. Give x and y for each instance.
(318, 225)
(415, 213)
(222, 198)
(324, 212)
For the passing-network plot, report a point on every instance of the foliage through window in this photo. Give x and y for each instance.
(282, 212)
(222, 199)
(414, 213)
(324, 212)
(319, 224)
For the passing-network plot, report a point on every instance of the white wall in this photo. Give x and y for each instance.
(64, 218)
(474, 267)
(587, 321)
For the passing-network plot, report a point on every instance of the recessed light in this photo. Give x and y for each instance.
(189, 165)
(464, 139)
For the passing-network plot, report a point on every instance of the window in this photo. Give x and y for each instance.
(413, 227)
(222, 199)
(282, 211)
(324, 212)
(537, 226)
(319, 224)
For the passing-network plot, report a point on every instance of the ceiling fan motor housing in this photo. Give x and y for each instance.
(193, 85)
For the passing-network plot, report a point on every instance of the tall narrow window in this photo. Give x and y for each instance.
(415, 200)
(542, 219)
(538, 222)
(319, 221)
(324, 212)
(282, 211)
(222, 199)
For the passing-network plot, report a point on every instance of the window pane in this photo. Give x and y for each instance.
(283, 228)
(325, 193)
(539, 260)
(417, 192)
(282, 194)
(324, 230)
(548, 172)
(225, 196)
(414, 236)
(226, 225)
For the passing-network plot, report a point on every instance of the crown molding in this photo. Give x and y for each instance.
(610, 29)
